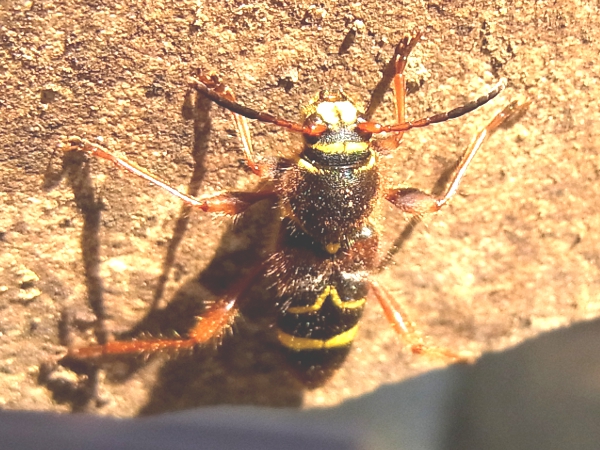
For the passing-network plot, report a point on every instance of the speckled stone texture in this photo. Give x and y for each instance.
(515, 253)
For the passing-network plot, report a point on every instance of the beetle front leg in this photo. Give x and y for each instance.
(229, 203)
(241, 123)
(394, 73)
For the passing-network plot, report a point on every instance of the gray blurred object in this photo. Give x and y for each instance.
(544, 394)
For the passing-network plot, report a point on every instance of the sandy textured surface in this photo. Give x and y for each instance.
(516, 252)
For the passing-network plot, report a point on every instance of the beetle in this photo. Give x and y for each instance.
(328, 194)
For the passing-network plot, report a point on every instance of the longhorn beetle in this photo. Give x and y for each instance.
(328, 244)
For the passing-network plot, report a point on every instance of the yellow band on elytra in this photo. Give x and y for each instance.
(335, 298)
(300, 343)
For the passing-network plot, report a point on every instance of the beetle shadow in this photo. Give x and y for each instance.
(247, 368)
(75, 168)
(196, 108)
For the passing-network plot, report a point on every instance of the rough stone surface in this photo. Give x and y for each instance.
(514, 254)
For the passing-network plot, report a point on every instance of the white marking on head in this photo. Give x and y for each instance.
(337, 113)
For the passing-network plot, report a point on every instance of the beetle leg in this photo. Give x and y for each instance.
(241, 122)
(212, 324)
(414, 201)
(394, 72)
(397, 317)
(229, 203)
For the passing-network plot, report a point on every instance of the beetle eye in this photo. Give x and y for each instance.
(314, 126)
(360, 130)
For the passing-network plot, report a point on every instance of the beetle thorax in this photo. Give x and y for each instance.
(331, 191)
(340, 144)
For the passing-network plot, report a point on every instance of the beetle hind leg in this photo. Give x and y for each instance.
(211, 325)
(398, 319)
